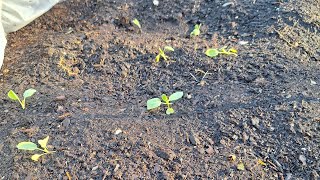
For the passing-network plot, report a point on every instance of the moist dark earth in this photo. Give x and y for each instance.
(94, 71)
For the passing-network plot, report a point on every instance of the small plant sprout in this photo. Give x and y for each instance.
(162, 54)
(137, 23)
(196, 30)
(215, 52)
(30, 146)
(156, 102)
(28, 93)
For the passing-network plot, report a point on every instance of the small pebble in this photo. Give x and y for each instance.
(227, 4)
(118, 131)
(66, 122)
(235, 137)
(201, 151)
(245, 137)
(156, 168)
(303, 160)
(209, 150)
(288, 176)
(156, 2)
(166, 154)
(255, 121)
(243, 42)
(60, 109)
(313, 82)
(94, 168)
(60, 98)
(194, 139)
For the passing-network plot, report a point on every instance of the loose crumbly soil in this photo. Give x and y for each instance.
(94, 72)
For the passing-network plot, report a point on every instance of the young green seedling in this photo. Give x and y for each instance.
(196, 30)
(30, 146)
(215, 52)
(162, 54)
(28, 93)
(137, 23)
(156, 102)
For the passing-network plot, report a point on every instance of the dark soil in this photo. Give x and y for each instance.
(94, 72)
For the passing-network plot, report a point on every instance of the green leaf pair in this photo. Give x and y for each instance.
(162, 54)
(30, 146)
(196, 30)
(215, 52)
(137, 23)
(156, 102)
(28, 93)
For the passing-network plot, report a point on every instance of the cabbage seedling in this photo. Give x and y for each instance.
(137, 23)
(196, 30)
(156, 102)
(30, 146)
(215, 52)
(28, 93)
(162, 54)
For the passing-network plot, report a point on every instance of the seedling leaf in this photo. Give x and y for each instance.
(23, 103)
(240, 166)
(43, 142)
(36, 157)
(196, 30)
(158, 58)
(176, 96)
(153, 103)
(12, 95)
(261, 162)
(170, 111)
(212, 52)
(137, 23)
(164, 56)
(164, 98)
(232, 158)
(29, 146)
(29, 92)
(233, 51)
(168, 48)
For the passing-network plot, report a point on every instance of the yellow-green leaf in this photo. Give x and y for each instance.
(36, 157)
(170, 111)
(164, 98)
(137, 23)
(196, 30)
(261, 162)
(232, 158)
(158, 58)
(240, 166)
(12, 95)
(23, 104)
(168, 48)
(29, 146)
(212, 52)
(233, 50)
(43, 142)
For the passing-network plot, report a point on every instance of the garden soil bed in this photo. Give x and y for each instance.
(94, 71)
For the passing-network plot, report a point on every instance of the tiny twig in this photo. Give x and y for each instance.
(68, 175)
(204, 75)
(194, 77)
(105, 174)
(273, 166)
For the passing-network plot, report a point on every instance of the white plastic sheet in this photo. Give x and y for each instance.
(3, 40)
(16, 14)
